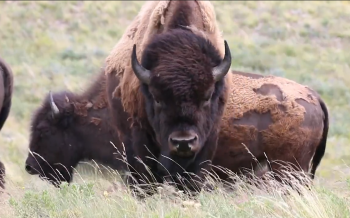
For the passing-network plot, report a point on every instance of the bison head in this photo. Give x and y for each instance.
(53, 142)
(182, 80)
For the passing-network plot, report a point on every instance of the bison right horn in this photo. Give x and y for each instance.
(142, 74)
(54, 107)
(222, 69)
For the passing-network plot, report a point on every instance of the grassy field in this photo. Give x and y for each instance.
(61, 45)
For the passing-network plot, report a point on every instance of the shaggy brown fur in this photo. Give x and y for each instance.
(275, 117)
(81, 131)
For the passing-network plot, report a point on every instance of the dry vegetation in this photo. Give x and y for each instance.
(60, 45)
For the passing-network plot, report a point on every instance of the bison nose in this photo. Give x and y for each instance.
(30, 170)
(183, 142)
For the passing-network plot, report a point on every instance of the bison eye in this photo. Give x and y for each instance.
(44, 132)
(206, 100)
(157, 102)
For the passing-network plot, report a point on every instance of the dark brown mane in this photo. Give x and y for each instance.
(175, 54)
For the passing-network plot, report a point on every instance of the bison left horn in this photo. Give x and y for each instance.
(221, 70)
(54, 107)
(142, 74)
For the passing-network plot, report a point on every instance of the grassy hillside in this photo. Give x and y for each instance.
(61, 45)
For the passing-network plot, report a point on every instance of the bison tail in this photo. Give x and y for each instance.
(8, 87)
(320, 150)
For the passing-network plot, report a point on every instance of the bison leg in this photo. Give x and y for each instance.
(142, 168)
(289, 171)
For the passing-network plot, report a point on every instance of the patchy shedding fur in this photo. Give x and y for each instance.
(244, 98)
(152, 18)
(271, 116)
(247, 94)
(93, 98)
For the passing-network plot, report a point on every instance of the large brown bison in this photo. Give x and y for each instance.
(6, 88)
(69, 128)
(182, 85)
(179, 93)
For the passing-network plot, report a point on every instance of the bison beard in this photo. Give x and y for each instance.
(182, 82)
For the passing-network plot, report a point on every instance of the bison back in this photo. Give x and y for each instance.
(271, 117)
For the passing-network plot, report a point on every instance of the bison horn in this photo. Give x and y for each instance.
(54, 107)
(141, 73)
(221, 70)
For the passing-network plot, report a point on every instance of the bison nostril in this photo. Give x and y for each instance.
(188, 140)
(183, 144)
(29, 169)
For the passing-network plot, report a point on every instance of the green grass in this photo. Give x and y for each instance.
(60, 45)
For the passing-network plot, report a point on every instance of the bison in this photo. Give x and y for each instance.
(185, 111)
(69, 128)
(6, 89)
(182, 86)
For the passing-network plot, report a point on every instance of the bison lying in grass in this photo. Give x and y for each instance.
(69, 128)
